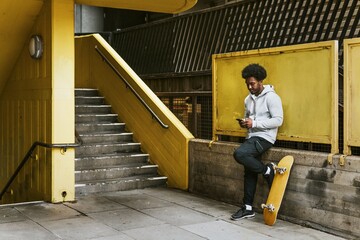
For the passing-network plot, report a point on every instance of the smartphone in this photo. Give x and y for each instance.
(240, 119)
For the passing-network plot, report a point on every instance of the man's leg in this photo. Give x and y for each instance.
(250, 181)
(249, 154)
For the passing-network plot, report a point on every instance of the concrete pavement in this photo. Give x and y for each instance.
(153, 213)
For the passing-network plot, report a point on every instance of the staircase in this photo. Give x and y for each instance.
(108, 160)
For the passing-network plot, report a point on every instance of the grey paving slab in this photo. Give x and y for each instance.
(162, 232)
(250, 223)
(139, 201)
(47, 212)
(11, 215)
(25, 230)
(210, 207)
(172, 195)
(124, 193)
(298, 233)
(281, 229)
(221, 230)
(178, 215)
(119, 236)
(80, 227)
(94, 203)
(153, 213)
(125, 219)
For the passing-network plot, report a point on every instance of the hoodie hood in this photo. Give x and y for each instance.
(267, 89)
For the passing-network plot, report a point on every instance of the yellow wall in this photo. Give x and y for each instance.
(16, 21)
(351, 94)
(167, 147)
(35, 100)
(305, 77)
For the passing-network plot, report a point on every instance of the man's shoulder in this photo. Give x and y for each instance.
(272, 94)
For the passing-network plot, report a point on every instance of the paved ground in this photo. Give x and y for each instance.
(153, 213)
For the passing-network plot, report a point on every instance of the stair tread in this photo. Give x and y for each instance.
(96, 114)
(118, 167)
(101, 144)
(89, 97)
(86, 89)
(106, 134)
(115, 155)
(93, 105)
(102, 132)
(100, 123)
(116, 180)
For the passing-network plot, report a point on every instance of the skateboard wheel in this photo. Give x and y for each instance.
(271, 208)
(281, 170)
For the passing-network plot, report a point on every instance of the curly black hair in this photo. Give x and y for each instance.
(254, 70)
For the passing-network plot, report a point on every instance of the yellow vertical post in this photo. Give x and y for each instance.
(63, 119)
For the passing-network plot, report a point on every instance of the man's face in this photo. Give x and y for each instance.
(255, 87)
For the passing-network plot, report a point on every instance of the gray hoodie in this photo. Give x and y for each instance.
(266, 112)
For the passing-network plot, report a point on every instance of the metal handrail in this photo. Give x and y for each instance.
(153, 114)
(64, 146)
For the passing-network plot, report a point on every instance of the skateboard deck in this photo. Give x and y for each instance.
(276, 194)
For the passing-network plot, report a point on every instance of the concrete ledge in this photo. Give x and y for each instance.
(318, 194)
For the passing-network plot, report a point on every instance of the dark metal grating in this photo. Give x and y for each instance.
(185, 43)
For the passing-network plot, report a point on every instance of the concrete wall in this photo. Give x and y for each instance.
(88, 19)
(319, 195)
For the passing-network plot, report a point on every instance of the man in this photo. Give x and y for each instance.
(263, 116)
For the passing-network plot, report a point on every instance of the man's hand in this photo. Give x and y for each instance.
(246, 123)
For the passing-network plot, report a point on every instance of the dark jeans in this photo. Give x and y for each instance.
(249, 154)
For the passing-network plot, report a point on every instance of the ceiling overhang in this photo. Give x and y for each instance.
(164, 6)
(17, 18)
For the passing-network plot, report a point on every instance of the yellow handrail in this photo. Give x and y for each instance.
(153, 114)
(64, 146)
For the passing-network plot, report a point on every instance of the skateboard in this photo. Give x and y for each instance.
(276, 194)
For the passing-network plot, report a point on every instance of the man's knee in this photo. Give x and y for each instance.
(239, 155)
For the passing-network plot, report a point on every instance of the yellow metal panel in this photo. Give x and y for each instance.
(165, 6)
(167, 147)
(305, 77)
(351, 94)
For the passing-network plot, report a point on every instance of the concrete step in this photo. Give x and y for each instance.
(119, 171)
(100, 127)
(119, 184)
(110, 160)
(107, 137)
(92, 109)
(86, 92)
(89, 100)
(96, 118)
(110, 148)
